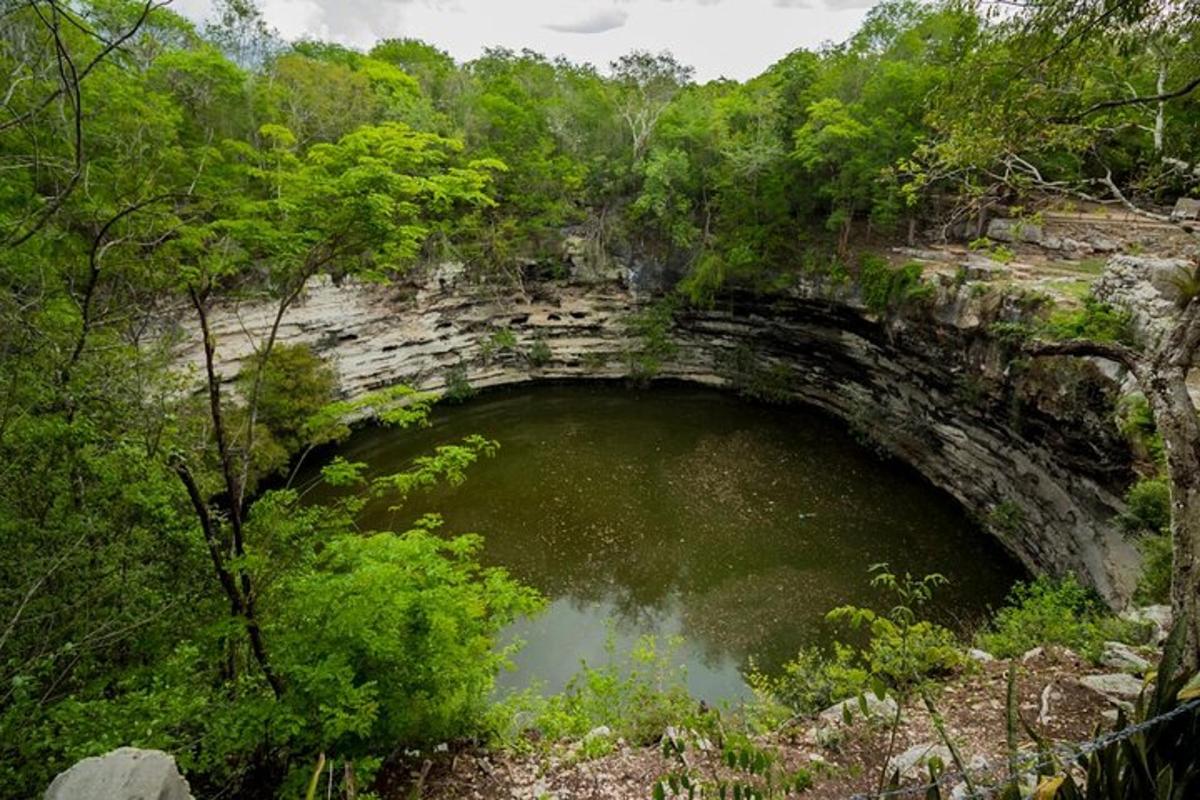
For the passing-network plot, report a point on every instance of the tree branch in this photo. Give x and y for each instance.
(1161, 97)
(1110, 351)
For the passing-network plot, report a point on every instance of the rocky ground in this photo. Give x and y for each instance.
(1060, 696)
(1059, 251)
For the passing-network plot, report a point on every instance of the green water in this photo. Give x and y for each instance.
(685, 511)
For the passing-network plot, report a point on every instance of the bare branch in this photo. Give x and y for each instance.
(1161, 97)
(1110, 351)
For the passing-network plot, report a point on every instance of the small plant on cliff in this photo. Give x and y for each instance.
(1136, 423)
(993, 250)
(1006, 516)
(539, 353)
(1097, 321)
(501, 341)
(1148, 506)
(885, 288)
(651, 330)
(1148, 518)
(458, 385)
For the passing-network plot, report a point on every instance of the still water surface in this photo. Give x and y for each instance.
(681, 511)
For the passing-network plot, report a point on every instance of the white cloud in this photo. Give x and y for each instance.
(846, 5)
(734, 38)
(596, 22)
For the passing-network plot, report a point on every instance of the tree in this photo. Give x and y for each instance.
(1161, 371)
(1072, 98)
(647, 83)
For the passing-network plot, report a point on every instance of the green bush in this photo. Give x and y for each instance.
(388, 639)
(539, 353)
(884, 288)
(1058, 612)
(295, 384)
(1136, 423)
(651, 329)
(458, 385)
(1097, 320)
(636, 695)
(1149, 506)
(1154, 584)
(901, 652)
(811, 681)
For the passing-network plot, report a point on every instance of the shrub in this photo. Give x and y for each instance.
(295, 385)
(1097, 320)
(811, 681)
(388, 640)
(884, 288)
(1149, 506)
(539, 353)
(900, 653)
(1154, 584)
(1136, 423)
(1048, 611)
(651, 329)
(458, 385)
(636, 695)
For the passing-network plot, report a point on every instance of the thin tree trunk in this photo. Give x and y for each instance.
(1160, 118)
(232, 489)
(1176, 419)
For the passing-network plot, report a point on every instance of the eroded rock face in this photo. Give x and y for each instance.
(1033, 453)
(1149, 288)
(124, 774)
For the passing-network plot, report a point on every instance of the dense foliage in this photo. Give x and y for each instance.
(150, 169)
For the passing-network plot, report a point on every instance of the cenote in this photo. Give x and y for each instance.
(685, 513)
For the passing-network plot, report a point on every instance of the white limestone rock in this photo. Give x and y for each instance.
(1186, 209)
(1148, 288)
(124, 774)
(910, 763)
(1123, 657)
(876, 709)
(1119, 686)
(1157, 618)
(1014, 230)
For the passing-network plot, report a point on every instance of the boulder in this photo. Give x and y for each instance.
(977, 268)
(1014, 230)
(123, 774)
(1186, 209)
(1120, 686)
(910, 762)
(980, 656)
(599, 732)
(1123, 657)
(1156, 618)
(876, 709)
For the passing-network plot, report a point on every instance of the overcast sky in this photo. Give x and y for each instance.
(731, 38)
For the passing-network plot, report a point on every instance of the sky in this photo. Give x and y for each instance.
(730, 38)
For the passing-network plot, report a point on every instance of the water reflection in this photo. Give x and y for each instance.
(685, 511)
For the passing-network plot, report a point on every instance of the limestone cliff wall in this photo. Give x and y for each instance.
(1030, 448)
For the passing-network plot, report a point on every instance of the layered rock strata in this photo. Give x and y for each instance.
(1029, 447)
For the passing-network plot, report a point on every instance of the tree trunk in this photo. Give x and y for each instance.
(1176, 419)
(1160, 117)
